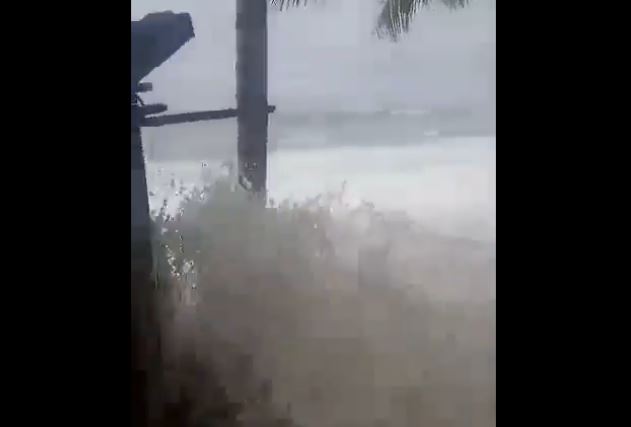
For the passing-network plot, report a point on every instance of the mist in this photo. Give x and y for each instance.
(329, 77)
(364, 294)
(325, 57)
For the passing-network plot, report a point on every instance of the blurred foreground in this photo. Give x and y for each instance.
(324, 314)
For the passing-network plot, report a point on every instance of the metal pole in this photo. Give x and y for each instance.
(144, 335)
(140, 220)
(252, 107)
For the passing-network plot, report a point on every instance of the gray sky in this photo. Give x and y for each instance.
(324, 57)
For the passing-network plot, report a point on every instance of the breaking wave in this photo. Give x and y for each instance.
(326, 313)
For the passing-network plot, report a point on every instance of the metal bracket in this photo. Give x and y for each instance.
(143, 115)
(197, 116)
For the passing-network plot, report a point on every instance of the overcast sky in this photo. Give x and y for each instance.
(324, 57)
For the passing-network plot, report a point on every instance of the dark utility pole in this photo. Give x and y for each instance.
(252, 107)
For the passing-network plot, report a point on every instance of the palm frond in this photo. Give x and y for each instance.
(396, 15)
(286, 3)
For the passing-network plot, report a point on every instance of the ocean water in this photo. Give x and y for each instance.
(406, 127)
(378, 326)
(445, 184)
